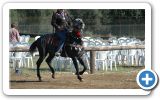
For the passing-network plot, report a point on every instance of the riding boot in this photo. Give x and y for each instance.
(58, 52)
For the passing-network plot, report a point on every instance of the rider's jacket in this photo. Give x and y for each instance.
(60, 21)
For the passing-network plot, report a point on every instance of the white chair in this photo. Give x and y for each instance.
(57, 63)
(101, 59)
(91, 43)
(27, 37)
(92, 39)
(112, 58)
(112, 38)
(123, 55)
(87, 37)
(68, 62)
(122, 38)
(11, 59)
(133, 55)
(18, 56)
(28, 58)
(22, 38)
(120, 41)
(141, 61)
(101, 56)
(85, 43)
(98, 43)
(61, 63)
(17, 59)
(114, 42)
(86, 58)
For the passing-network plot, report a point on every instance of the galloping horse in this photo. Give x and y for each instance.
(72, 48)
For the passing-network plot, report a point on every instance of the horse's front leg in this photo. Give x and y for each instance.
(83, 64)
(77, 69)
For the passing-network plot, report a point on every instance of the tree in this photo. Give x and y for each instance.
(117, 21)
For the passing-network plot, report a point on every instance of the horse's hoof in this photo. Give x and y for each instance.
(76, 73)
(53, 76)
(40, 80)
(81, 73)
(81, 80)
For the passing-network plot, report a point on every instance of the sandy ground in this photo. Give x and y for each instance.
(67, 80)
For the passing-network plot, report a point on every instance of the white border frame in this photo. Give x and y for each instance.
(9, 6)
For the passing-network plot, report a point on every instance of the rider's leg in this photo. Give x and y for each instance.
(62, 37)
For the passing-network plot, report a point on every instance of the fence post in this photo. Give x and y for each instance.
(92, 61)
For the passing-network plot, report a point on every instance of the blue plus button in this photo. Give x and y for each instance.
(147, 79)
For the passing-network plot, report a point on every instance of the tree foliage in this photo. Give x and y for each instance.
(116, 21)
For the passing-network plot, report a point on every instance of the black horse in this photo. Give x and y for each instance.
(72, 48)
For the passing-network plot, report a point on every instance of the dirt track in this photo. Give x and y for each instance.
(107, 80)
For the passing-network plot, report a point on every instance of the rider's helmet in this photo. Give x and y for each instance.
(60, 10)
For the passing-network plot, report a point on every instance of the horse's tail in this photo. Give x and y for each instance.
(33, 47)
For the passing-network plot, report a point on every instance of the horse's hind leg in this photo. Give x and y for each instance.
(42, 55)
(77, 69)
(40, 60)
(49, 60)
(83, 64)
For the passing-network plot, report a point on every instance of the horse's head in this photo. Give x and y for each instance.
(78, 24)
(77, 31)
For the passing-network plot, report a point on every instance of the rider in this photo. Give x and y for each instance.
(61, 23)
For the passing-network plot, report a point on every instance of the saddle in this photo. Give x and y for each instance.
(72, 42)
